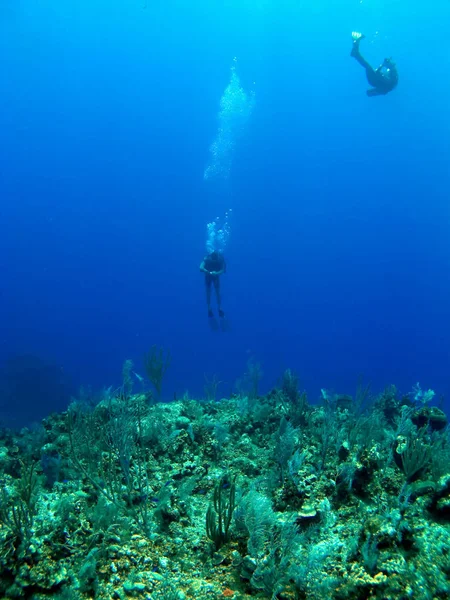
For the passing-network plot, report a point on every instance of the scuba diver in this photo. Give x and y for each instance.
(213, 266)
(384, 79)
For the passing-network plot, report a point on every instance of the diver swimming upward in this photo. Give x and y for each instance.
(384, 79)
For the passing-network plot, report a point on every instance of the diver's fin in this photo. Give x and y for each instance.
(374, 92)
(224, 325)
(213, 324)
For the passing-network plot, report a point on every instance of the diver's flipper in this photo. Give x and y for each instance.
(374, 92)
(213, 324)
(225, 325)
(357, 37)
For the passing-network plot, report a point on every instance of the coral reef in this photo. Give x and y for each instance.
(246, 497)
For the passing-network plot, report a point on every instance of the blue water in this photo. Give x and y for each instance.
(339, 252)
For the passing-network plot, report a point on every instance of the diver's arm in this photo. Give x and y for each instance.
(203, 269)
(222, 270)
(394, 77)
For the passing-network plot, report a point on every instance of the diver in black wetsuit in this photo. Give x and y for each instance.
(213, 266)
(384, 79)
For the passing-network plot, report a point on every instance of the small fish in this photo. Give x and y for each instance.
(138, 377)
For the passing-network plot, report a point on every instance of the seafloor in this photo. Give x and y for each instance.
(244, 497)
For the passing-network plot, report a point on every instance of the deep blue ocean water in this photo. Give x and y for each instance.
(339, 254)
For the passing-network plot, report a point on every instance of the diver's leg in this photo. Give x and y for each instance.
(357, 55)
(218, 296)
(371, 74)
(208, 295)
(357, 37)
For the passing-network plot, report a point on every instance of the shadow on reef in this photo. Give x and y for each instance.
(246, 497)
